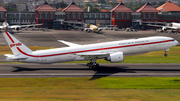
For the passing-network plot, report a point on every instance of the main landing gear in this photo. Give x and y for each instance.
(166, 52)
(92, 64)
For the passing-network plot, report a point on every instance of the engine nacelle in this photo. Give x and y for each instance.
(115, 57)
(17, 28)
(164, 28)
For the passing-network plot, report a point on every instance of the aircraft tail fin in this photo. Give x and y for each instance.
(16, 46)
(97, 23)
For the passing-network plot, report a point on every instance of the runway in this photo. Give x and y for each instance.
(81, 70)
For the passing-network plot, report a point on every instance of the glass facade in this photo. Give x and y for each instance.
(79, 16)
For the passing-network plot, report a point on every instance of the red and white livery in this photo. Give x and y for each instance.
(111, 51)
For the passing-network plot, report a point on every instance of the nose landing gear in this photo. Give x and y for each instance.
(166, 52)
(165, 55)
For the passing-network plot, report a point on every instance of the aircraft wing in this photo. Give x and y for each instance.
(69, 43)
(156, 25)
(14, 26)
(87, 28)
(1, 27)
(93, 55)
(20, 26)
(99, 29)
(31, 25)
(162, 26)
(153, 22)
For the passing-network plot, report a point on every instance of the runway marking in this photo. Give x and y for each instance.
(2, 43)
(55, 36)
(106, 37)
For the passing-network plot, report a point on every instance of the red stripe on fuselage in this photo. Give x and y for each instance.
(90, 49)
(9, 37)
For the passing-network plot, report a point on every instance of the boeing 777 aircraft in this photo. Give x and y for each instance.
(111, 51)
(16, 27)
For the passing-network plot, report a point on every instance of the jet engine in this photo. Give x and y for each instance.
(115, 57)
(17, 28)
(164, 28)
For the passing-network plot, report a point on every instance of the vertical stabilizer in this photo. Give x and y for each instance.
(96, 22)
(16, 46)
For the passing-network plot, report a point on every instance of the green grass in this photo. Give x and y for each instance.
(151, 57)
(106, 89)
(140, 83)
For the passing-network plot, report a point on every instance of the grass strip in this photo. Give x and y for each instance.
(94, 83)
(86, 89)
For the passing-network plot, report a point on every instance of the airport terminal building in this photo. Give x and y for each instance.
(121, 15)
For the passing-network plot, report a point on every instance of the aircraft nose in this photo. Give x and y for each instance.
(176, 42)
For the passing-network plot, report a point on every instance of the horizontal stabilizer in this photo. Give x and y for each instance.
(13, 57)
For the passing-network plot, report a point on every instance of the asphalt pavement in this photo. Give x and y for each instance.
(81, 70)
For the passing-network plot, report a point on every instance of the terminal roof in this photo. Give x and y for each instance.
(168, 6)
(121, 8)
(147, 8)
(72, 8)
(45, 8)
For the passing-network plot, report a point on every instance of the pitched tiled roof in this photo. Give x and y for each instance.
(121, 8)
(2, 9)
(147, 8)
(168, 6)
(72, 8)
(45, 8)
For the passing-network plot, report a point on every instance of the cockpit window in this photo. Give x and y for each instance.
(173, 40)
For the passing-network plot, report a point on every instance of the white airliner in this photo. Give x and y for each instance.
(93, 28)
(173, 26)
(16, 27)
(111, 51)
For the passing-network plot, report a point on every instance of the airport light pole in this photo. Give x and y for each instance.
(19, 15)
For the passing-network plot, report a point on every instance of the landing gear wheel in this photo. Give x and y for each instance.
(165, 55)
(88, 64)
(97, 65)
(92, 64)
(90, 67)
(93, 67)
